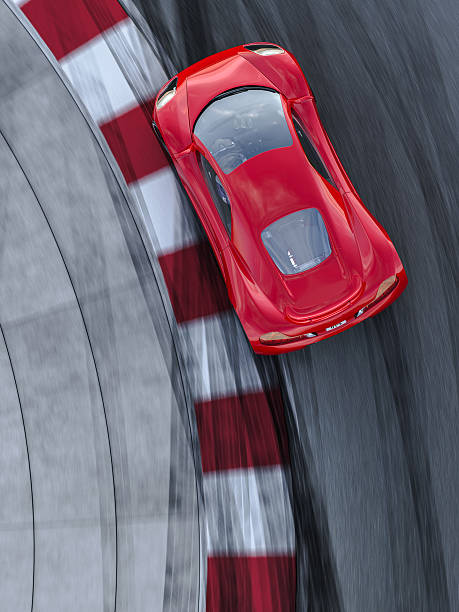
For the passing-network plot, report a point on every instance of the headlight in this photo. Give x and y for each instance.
(164, 99)
(168, 93)
(279, 338)
(265, 49)
(383, 290)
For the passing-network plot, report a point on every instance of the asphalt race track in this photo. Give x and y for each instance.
(124, 373)
(374, 419)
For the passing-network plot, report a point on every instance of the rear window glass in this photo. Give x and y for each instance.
(240, 125)
(297, 242)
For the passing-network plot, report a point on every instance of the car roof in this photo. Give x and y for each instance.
(274, 184)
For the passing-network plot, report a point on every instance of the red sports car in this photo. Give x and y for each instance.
(301, 256)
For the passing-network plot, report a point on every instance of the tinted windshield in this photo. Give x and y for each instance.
(298, 241)
(239, 126)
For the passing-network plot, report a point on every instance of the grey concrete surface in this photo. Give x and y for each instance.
(373, 415)
(16, 515)
(99, 498)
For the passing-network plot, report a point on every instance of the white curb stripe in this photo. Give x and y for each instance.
(159, 198)
(98, 71)
(248, 512)
(222, 368)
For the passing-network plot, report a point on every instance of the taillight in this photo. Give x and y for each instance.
(383, 291)
(279, 338)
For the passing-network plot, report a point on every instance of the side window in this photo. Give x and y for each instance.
(311, 153)
(219, 195)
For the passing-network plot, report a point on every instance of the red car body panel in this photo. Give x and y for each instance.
(324, 299)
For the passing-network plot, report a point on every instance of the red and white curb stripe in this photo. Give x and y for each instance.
(250, 531)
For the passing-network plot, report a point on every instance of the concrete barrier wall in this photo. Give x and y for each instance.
(83, 363)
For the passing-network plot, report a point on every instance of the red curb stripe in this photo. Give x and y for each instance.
(242, 431)
(251, 584)
(134, 145)
(194, 281)
(66, 25)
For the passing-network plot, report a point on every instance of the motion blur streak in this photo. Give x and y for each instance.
(374, 419)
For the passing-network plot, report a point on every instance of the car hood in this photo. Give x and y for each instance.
(273, 185)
